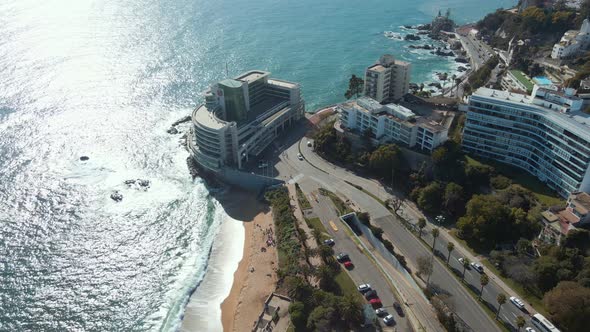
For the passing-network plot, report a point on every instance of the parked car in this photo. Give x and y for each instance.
(299, 156)
(530, 329)
(388, 320)
(363, 288)
(381, 312)
(371, 294)
(461, 260)
(348, 265)
(517, 302)
(477, 267)
(398, 309)
(329, 242)
(342, 257)
(376, 303)
(309, 143)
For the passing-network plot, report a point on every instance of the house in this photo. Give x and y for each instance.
(559, 221)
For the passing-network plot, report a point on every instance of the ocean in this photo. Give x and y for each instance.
(105, 79)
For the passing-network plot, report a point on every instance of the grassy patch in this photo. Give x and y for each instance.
(342, 207)
(366, 192)
(303, 201)
(316, 223)
(525, 180)
(346, 284)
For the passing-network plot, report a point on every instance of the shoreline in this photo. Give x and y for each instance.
(255, 278)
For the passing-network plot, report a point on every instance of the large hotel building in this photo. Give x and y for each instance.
(241, 117)
(388, 80)
(545, 134)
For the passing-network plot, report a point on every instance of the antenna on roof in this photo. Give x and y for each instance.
(226, 70)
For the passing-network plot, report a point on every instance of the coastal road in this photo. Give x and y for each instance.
(364, 271)
(408, 243)
(290, 168)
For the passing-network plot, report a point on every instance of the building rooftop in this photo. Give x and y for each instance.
(576, 119)
(285, 84)
(207, 119)
(523, 79)
(377, 67)
(252, 75)
(581, 201)
(231, 83)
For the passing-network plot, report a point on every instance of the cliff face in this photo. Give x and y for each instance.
(441, 23)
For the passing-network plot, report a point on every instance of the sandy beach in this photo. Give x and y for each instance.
(255, 277)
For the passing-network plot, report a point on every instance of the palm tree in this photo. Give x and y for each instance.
(421, 225)
(450, 247)
(483, 281)
(421, 86)
(435, 234)
(520, 322)
(351, 308)
(501, 298)
(466, 263)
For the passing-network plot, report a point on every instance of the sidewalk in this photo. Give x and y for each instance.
(310, 241)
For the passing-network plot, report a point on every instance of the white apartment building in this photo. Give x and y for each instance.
(572, 42)
(393, 123)
(388, 80)
(545, 134)
(241, 117)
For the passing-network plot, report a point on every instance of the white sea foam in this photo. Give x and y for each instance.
(203, 311)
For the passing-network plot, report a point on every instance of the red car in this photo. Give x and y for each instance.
(348, 265)
(376, 303)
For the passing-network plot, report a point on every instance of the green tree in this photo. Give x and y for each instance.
(533, 18)
(435, 234)
(355, 87)
(430, 197)
(298, 316)
(321, 319)
(385, 159)
(325, 275)
(483, 281)
(546, 268)
(450, 248)
(454, 199)
(350, 309)
(421, 225)
(520, 322)
(466, 263)
(567, 305)
(487, 221)
(501, 299)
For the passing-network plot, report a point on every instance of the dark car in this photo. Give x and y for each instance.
(348, 265)
(342, 257)
(398, 309)
(329, 242)
(371, 294)
(376, 303)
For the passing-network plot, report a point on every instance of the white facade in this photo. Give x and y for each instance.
(572, 42)
(392, 123)
(545, 134)
(387, 80)
(241, 117)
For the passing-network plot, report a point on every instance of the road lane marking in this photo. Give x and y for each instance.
(333, 225)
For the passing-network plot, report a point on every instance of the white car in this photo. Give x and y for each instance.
(517, 302)
(363, 288)
(381, 312)
(530, 329)
(477, 267)
(461, 260)
(309, 144)
(299, 156)
(388, 320)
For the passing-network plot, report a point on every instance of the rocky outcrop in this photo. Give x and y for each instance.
(116, 196)
(411, 37)
(422, 47)
(84, 158)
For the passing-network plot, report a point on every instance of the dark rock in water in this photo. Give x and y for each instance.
(185, 119)
(143, 183)
(414, 86)
(408, 27)
(443, 53)
(461, 69)
(116, 196)
(461, 60)
(423, 26)
(130, 182)
(412, 37)
(423, 33)
(192, 167)
(84, 158)
(435, 84)
(172, 131)
(422, 47)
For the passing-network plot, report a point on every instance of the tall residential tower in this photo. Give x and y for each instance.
(388, 80)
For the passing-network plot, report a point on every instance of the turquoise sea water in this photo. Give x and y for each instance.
(105, 78)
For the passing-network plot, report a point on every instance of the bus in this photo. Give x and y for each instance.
(543, 324)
